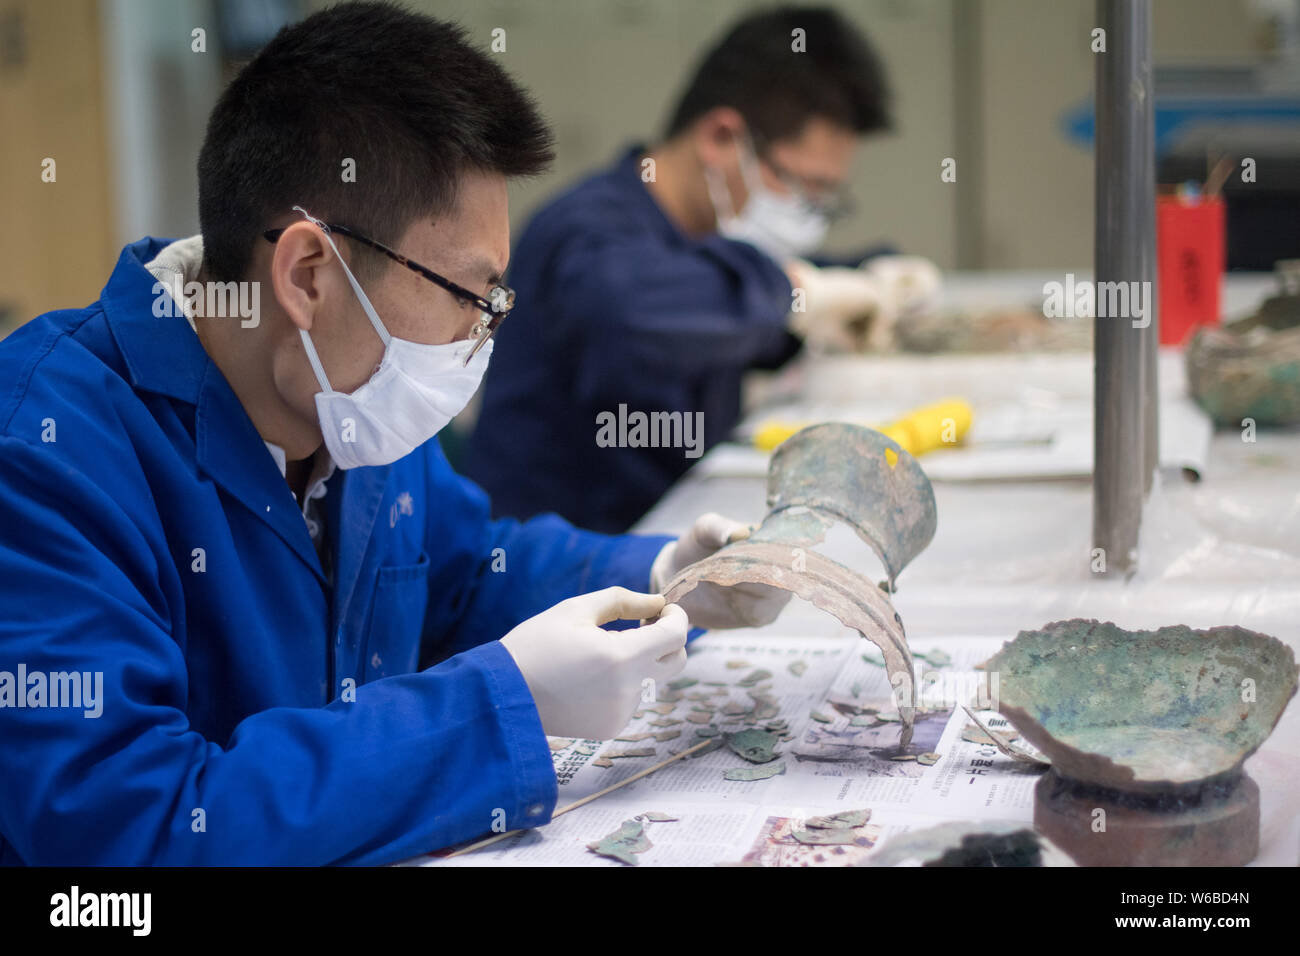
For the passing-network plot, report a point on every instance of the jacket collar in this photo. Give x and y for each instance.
(163, 355)
(627, 172)
(161, 351)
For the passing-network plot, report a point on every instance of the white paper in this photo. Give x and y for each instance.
(724, 821)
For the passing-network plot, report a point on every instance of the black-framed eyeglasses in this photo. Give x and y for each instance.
(493, 310)
(832, 201)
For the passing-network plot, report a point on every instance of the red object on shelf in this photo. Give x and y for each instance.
(1190, 256)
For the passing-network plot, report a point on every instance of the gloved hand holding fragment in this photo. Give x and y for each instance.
(835, 308)
(710, 605)
(856, 310)
(908, 285)
(586, 681)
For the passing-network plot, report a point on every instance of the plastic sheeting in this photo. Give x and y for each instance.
(1009, 556)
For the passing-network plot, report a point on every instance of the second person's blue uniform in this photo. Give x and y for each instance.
(617, 306)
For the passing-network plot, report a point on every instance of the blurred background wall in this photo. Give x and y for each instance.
(115, 92)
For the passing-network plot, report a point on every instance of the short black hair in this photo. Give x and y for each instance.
(404, 95)
(756, 70)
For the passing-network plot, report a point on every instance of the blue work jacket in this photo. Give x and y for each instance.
(149, 542)
(618, 307)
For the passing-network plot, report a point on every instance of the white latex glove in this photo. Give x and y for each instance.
(839, 304)
(586, 681)
(711, 605)
(907, 285)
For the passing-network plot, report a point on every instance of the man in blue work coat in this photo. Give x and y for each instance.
(650, 288)
(248, 614)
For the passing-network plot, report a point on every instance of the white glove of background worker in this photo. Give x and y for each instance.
(907, 285)
(836, 307)
(852, 310)
(711, 605)
(586, 681)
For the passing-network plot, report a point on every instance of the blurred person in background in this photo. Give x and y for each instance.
(654, 285)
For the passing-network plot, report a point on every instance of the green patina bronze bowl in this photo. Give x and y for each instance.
(1144, 711)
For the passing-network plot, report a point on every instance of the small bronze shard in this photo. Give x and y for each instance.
(624, 843)
(935, 658)
(749, 774)
(977, 733)
(845, 819)
(756, 746)
(825, 837)
(715, 743)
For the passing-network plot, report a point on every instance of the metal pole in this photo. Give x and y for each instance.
(1125, 438)
(1145, 196)
(968, 128)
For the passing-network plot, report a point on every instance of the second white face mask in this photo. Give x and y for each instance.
(414, 393)
(782, 226)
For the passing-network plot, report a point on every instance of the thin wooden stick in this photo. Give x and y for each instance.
(636, 776)
(1218, 176)
(587, 799)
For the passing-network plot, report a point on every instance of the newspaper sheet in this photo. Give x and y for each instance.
(841, 721)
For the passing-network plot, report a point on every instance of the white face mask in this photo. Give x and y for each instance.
(414, 393)
(782, 226)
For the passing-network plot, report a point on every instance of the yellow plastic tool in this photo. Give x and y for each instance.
(919, 431)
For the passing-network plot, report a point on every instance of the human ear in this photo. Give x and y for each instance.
(297, 272)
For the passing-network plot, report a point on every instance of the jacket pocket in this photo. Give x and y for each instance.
(397, 622)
